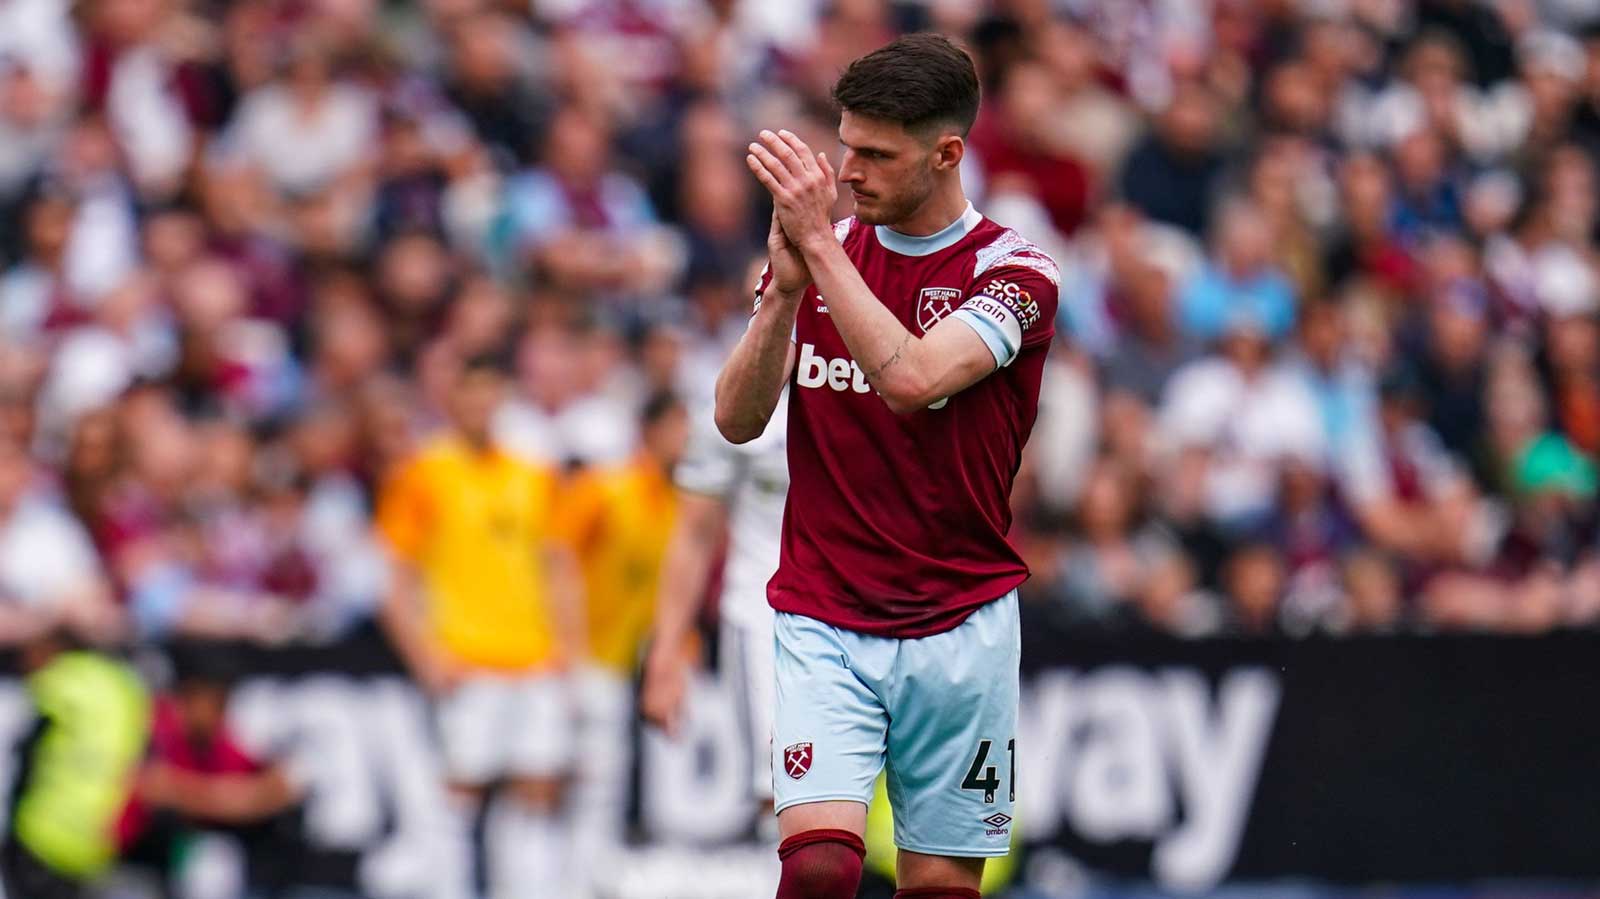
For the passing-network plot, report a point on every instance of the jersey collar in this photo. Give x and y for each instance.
(908, 245)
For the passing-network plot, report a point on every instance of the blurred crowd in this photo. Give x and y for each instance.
(1329, 276)
(1330, 352)
(1330, 287)
(1330, 357)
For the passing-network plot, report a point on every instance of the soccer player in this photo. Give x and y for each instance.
(618, 519)
(913, 336)
(739, 490)
(484, 611)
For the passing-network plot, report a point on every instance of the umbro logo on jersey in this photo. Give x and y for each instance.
(836, 374)
(797, 760)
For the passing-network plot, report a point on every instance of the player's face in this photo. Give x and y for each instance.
(890, 171)
(473, 403)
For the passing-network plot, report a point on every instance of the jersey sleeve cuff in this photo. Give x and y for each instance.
(990, 334)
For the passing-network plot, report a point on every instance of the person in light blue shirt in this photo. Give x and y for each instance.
(1241, 281)
(1342, 385)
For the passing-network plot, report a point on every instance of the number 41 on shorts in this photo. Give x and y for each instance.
(987, 778)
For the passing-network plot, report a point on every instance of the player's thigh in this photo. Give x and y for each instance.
(472, 723)
(913, 870)
(829, 815)
(952, 749)
(829, 725)
(747, 658)
(539, 734)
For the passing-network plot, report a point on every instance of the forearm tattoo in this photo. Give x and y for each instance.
(893, 358)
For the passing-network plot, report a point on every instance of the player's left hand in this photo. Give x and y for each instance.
(802, 185)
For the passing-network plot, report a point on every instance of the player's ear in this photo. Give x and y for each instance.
(949, 151)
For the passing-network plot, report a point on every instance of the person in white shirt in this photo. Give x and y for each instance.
(1228, 420)
(739, 490)
(50, 574)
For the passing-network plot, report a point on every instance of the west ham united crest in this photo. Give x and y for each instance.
(797, 760)
(934, 304)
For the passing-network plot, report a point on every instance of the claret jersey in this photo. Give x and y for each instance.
(896, 524)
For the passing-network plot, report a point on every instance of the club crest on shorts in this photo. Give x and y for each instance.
(797, 760)
(934, 304)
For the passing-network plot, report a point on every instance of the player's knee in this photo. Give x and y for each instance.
(463, 794)
(937, 893)
(821, 864)
(537, 793)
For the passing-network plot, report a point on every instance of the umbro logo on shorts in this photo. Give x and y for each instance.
(797, 760)
(997, 824)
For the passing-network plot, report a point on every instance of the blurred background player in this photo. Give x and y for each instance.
(77, 764)
(198, 777)
(618, 520)
(729, 495)
(915, 334)
(484, 610)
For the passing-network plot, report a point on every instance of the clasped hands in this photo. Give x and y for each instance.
(802, 185)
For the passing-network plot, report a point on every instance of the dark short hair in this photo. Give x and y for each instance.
(657, 406)
(922, 81)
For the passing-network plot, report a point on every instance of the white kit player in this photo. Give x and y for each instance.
(740, 491)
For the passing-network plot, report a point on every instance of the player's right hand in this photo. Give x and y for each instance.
(666, 680)
(789, 272)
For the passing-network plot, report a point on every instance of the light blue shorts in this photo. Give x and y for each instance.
(939, 711)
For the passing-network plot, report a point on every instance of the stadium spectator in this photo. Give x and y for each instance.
(1241, 281)
(1023, 139)
(309, 130)
(1253, 584)
(1228, 421)
(576, 222)
(509, 112)
(1172, 173)
(1118, 557)
(50, 576)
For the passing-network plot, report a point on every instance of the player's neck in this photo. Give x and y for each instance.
(479, 445)
(938, 213)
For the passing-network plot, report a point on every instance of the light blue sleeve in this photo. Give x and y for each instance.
(990, 333)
